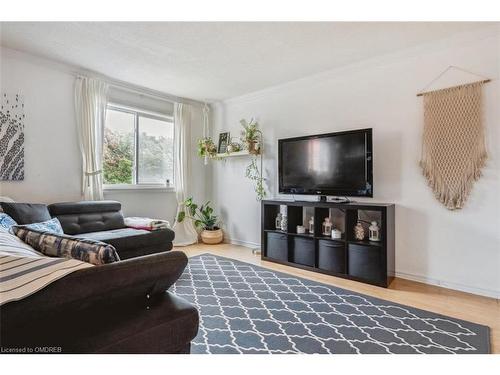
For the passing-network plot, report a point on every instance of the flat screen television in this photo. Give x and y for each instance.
(338, 164)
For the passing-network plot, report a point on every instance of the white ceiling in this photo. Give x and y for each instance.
(216, 61)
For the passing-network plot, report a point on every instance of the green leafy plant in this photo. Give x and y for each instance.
(250, 132)
(202, 216)
(206, 147)
(253, 173)
(118, 157)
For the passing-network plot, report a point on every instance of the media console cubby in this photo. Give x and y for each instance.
(361, 260)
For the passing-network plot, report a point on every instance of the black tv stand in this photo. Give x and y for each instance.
(361, 260)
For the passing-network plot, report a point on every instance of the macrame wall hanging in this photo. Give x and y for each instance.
(453, 144)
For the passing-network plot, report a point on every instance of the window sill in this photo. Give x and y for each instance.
(155, 188)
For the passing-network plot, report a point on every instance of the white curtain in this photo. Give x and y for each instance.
(185, 232)
(90, 106)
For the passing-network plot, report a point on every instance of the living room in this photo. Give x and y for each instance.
(255, 187)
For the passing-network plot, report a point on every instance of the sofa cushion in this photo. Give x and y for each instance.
(26, 213)
(63, 246)
(88, 216)
(129, 239)
(128, 331)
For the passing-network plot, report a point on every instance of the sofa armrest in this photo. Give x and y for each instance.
(133, 281)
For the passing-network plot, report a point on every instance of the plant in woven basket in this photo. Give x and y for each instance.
(203, 218)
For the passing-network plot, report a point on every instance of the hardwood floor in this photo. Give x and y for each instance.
(449, 302)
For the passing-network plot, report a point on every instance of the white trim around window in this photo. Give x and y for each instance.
(136, 187)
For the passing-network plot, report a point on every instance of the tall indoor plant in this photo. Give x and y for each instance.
(204, 218)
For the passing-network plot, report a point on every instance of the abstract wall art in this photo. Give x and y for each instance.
(12, 138)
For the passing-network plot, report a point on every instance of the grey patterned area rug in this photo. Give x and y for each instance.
(249, 309)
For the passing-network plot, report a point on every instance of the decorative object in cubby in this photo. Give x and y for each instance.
(359, 231)
(311, 225)
(327, 227)
(301, 229)
(284, 223)
(374, 232)
(336, 234)
(278, 220)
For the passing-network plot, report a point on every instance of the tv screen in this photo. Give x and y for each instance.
(328, 164)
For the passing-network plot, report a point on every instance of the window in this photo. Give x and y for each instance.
(138, 149)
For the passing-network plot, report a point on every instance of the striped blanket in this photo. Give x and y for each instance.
(24, 271)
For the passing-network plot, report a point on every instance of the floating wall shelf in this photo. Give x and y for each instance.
(234, 154)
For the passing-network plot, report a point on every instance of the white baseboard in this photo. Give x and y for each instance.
(402, 275)
(242, 243)
(449, 285)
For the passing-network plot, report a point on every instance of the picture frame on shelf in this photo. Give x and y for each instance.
(224, 139)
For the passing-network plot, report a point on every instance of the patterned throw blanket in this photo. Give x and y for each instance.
(24, 271)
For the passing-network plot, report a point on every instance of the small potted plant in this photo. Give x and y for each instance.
(233, 146)
(204, 219)
(206, 147)
(250, 135)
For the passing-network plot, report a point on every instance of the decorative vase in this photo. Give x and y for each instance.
(278, 220)
(212, 237)
(311, 225)
(359, 232)
(374, 231)
(284, 223)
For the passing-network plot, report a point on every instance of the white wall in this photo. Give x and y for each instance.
(52, 156)
(460, 249)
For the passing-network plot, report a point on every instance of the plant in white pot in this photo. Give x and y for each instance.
(204, 219)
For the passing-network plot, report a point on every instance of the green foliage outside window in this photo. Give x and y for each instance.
(118, 157)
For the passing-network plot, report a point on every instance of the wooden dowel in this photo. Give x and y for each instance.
(428, 92)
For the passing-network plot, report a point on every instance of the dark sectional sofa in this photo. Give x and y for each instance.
(97, 220)
(121, 307)
(103, 221)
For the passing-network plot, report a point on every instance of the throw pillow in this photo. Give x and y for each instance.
(63, 246)
(6, 222)
(52, 226)
(26, 213)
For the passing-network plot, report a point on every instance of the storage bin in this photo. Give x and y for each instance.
(365, 262)
(331, 256)
(303, 251)
(277, 246)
